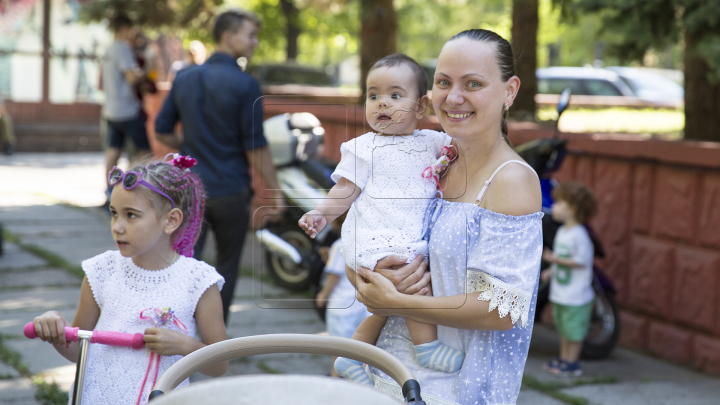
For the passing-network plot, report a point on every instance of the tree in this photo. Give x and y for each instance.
(656, 24)
(378, 35)
(292, 28)
(524, 42)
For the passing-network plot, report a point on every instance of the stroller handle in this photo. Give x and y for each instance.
(289, 343)
(96, 336)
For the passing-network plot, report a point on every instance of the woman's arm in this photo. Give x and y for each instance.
(463, 311)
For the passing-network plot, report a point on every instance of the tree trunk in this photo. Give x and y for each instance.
(378, 35)
(702, 98)
(292, 30)
(524, 43)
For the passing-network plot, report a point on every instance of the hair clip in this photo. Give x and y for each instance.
(180, 161)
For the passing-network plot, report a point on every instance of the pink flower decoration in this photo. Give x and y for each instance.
(181, 162)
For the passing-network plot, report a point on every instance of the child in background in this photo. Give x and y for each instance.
(151, 284)
(571, 274)
(387, 180)
(344, 312)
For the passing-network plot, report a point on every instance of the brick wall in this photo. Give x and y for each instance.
(659, 218)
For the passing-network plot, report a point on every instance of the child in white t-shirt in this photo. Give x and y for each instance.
(571, 274)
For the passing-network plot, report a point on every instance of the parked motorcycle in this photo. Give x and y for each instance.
(546, 156)
(292, 257)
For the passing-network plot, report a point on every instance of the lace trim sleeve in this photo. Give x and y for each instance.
(502, 296)
(205, 276)
(354, 161)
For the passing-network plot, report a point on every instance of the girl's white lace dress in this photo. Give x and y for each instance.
(114, 375)
(387, 218)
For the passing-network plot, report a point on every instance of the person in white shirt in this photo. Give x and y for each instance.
(571, 274)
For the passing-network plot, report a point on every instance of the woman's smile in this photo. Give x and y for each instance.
(456, 116)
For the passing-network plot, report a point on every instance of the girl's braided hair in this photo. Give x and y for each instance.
(186, 190)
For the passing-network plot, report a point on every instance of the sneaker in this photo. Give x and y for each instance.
(553, 364)
(568, 369)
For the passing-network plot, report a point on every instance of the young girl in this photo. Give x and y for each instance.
(391, 177)
(151, 284)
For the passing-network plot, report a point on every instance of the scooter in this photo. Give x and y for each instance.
(292, 257)
(546, 156)
(84, 338)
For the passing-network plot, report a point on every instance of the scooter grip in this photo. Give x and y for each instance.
(70, 332)
(118, 339)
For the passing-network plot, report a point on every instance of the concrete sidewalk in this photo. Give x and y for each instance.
(40, 271)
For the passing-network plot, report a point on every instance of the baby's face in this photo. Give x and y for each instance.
(392, 101)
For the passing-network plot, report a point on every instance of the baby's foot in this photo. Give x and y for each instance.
(352, 370)
(438, 356)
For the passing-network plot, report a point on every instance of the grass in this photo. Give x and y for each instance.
(49, 393)
(553, 389)
(267, 369)
(13, 359)
(51, 258)
(660, 123)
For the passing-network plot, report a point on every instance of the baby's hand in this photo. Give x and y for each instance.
(50, 327)
(312, 223)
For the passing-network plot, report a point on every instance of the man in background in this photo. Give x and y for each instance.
(220, 108)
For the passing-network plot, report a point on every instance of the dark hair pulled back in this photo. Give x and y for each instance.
(504, 56)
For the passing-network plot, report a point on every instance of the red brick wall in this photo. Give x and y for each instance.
(659, 219)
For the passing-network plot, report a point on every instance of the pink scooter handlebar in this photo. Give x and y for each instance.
(106, 338)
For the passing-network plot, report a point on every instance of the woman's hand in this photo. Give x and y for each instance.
(50, 327)
(377, 292)
(167, 342)
(411, 278)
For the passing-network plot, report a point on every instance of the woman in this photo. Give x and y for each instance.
(485, 239)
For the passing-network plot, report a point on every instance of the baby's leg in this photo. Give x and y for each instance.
(429, 352)
(368, 331)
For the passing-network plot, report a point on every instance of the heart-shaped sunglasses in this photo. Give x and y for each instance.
(130, 180)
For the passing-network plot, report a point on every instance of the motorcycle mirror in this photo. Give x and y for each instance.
(564, 101)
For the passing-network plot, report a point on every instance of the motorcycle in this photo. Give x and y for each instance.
(293, 258)
(546, 156)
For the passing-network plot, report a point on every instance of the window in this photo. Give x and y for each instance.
(601, 88)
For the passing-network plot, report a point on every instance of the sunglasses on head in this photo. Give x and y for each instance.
(130, 180)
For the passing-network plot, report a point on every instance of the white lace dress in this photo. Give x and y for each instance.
(114, 375)
(387, 218)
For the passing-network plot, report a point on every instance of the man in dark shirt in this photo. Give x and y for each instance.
(220, 108)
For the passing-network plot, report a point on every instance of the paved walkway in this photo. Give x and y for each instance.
(39, 270)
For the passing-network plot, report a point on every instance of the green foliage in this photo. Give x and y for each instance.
(641, 26)
(49, 393)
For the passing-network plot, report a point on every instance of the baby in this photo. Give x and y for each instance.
(386, 181)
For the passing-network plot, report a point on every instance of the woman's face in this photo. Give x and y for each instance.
(468, 91)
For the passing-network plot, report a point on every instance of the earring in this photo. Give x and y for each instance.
(506, 107)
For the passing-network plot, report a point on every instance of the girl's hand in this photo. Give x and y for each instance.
(167, 342)
(50, 327)
(376, 292)
(408, 278)
(312, 223)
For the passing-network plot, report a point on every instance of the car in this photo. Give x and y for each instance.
(583, 81)
(293, 73)
(650, 86)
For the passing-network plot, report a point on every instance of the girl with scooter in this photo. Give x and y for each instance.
(151, 284)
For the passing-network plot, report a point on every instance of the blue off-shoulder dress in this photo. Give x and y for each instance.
(474, 249)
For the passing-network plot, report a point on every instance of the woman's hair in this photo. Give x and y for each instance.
(397, 59)
(579, 197)
(188, 194)
(503, 55)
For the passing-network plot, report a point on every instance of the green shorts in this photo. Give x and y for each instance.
(572, 322)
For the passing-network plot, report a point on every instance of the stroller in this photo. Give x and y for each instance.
(277, 390)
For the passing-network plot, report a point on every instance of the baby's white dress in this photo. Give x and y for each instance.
(388, 217)
(114, 375)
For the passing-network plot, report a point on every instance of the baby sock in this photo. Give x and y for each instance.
(438, 356)
(352, 370)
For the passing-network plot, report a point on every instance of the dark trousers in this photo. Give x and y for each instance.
(228, 217)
